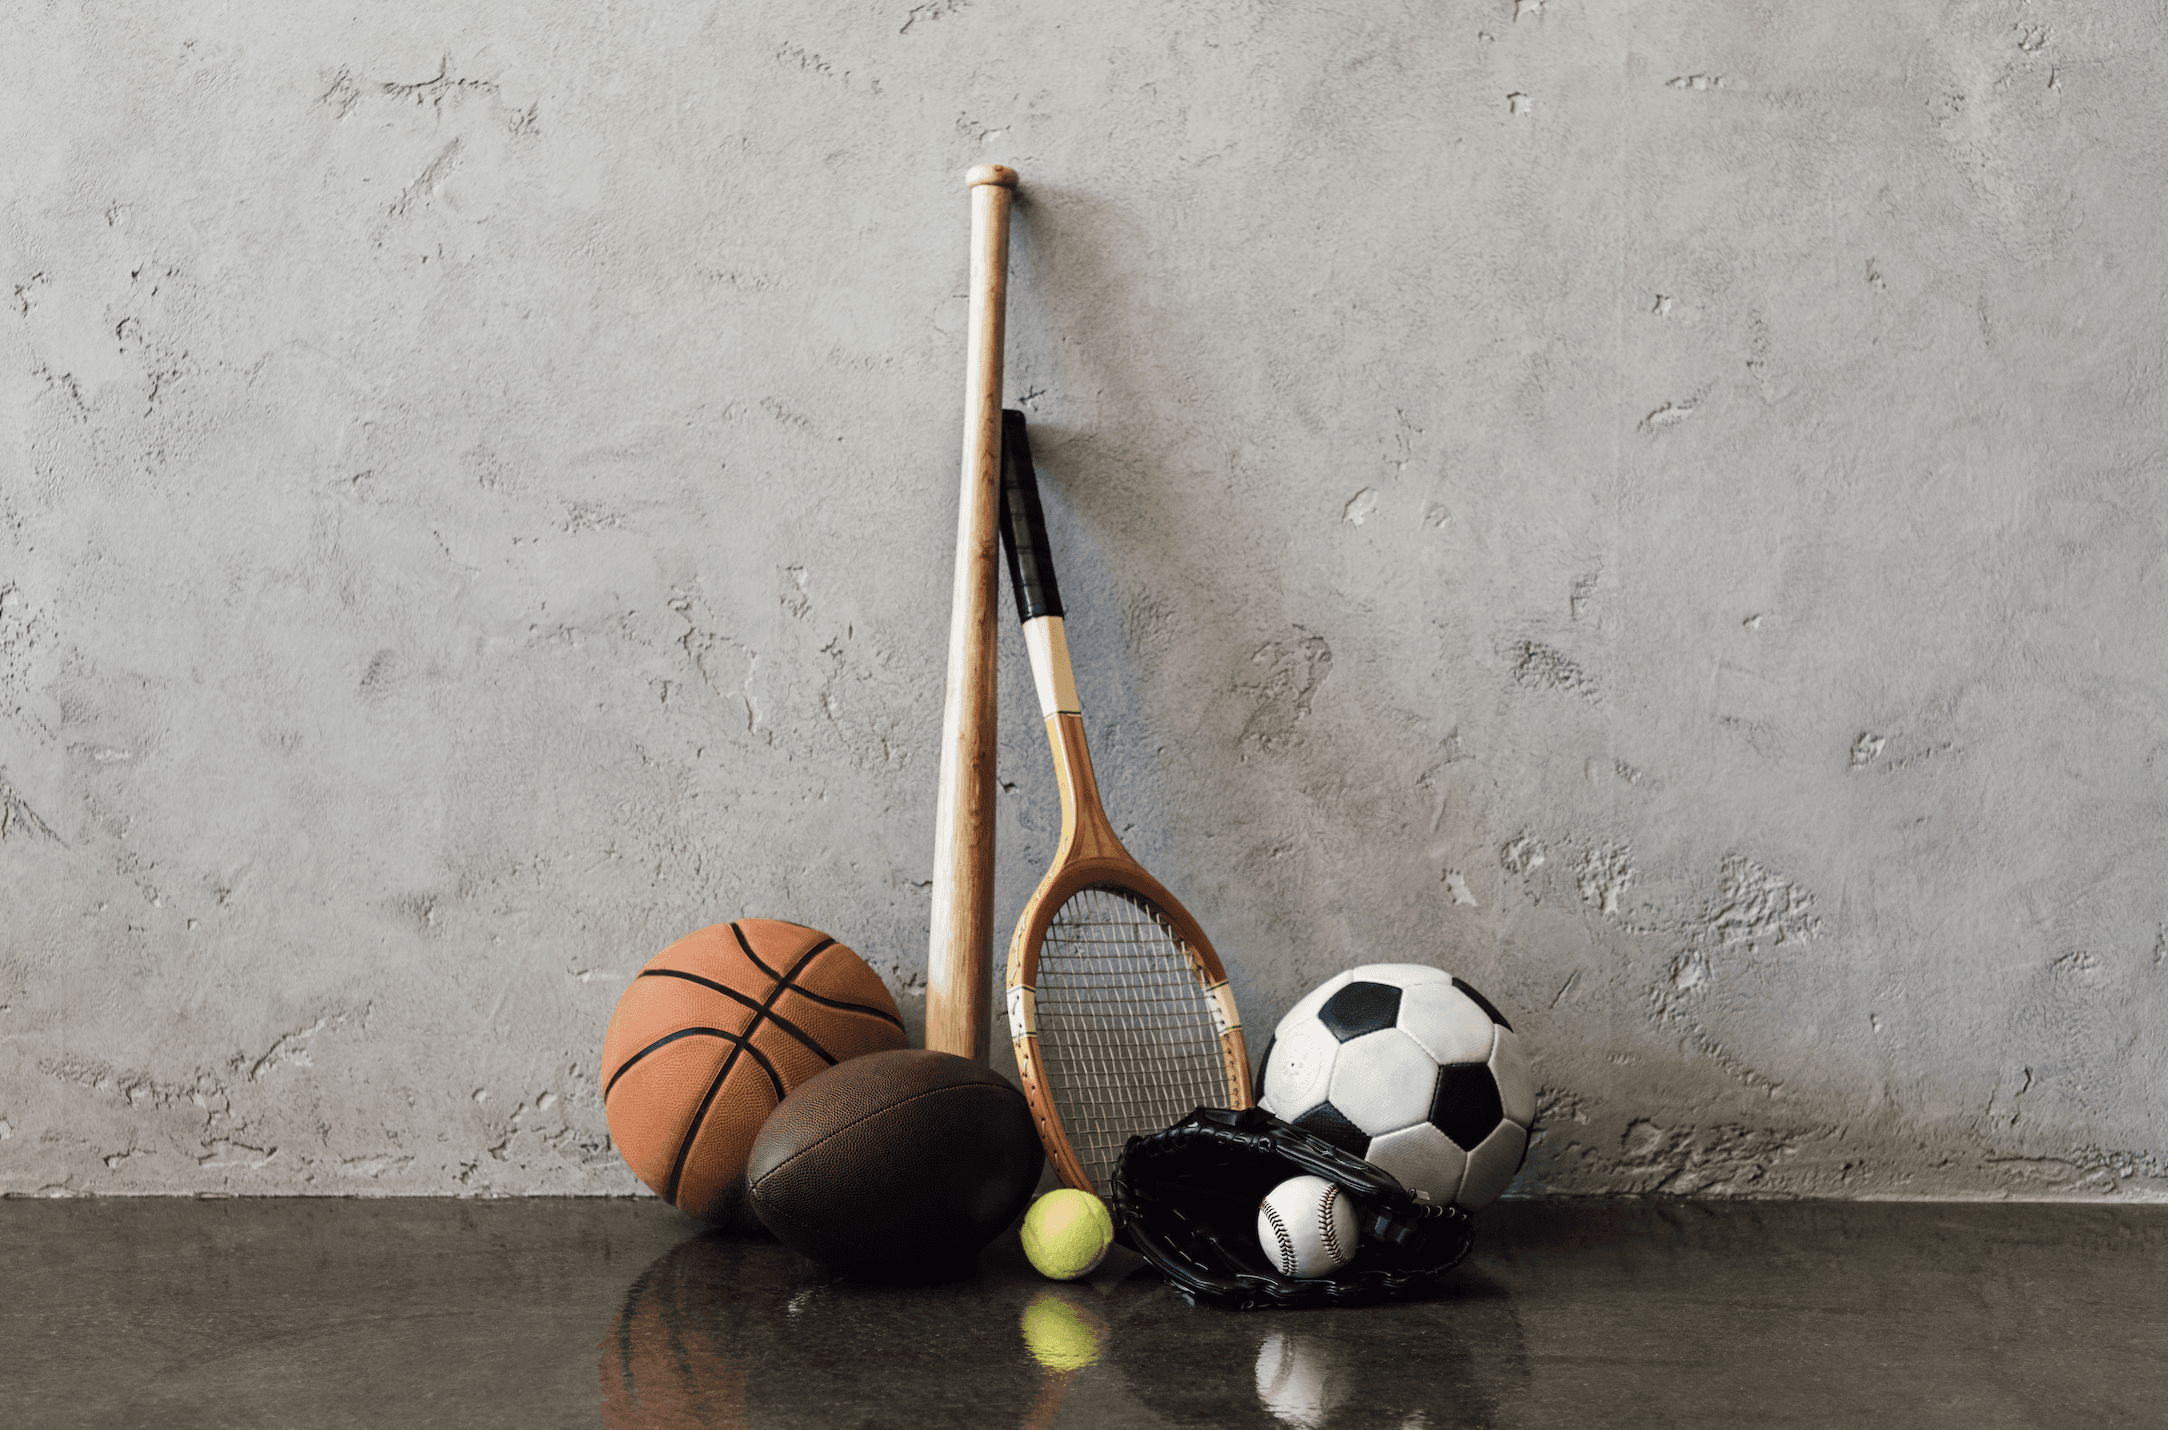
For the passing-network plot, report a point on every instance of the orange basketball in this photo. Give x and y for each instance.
(712, 1034)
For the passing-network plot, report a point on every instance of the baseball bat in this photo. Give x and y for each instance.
(961, 937)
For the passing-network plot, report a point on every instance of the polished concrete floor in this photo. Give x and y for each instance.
(296, 1314)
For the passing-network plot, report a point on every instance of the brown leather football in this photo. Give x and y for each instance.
(896, 1165)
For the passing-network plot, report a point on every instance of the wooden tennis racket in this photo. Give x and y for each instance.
(1118, 1007)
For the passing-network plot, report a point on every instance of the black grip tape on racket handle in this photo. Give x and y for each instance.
(1023, 526)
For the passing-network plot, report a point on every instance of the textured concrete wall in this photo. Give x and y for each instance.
(1656, 508)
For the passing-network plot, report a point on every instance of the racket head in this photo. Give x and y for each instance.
(1120, 1015)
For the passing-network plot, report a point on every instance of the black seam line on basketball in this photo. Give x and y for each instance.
(692, 1131)
(744, 1044)
(692, 1128)
(838, 1003)
(883, 1112)
(777, 1018)
(727, 1037)
(746, 944)
(783, 984)
(802, 991)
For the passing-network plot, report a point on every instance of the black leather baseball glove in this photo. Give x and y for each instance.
(1187, 1200)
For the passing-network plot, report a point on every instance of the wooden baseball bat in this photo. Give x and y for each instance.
(957, 971)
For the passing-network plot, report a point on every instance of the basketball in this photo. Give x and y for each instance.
(713, 1033)
(896, 1167)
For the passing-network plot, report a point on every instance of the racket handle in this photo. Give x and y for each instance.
(1023, 526)
(960, 934)
(1031, 574)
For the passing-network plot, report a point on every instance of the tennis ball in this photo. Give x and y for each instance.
(1067, 1233)
(1060, 1334)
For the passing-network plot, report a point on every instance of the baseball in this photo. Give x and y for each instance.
(1307, 1227)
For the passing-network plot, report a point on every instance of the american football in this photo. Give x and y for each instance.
(1411, 1069)
(895, 1165)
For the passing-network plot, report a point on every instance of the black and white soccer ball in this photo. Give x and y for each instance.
(1411, 1069)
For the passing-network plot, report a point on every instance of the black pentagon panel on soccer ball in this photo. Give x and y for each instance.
(1330, 1123)
(1466, 1107)
(1485, 1004)
(1360, 1008)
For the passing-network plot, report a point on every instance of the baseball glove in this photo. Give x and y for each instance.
(1187, 1200)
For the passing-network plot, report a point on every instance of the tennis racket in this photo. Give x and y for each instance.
(1118, 1007)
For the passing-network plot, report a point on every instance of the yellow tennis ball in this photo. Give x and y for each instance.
(1067, 1233)
(1061, 1335)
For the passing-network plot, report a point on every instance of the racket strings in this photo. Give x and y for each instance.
(1126, 1029)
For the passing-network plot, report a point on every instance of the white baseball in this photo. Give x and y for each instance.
(1307, 1227)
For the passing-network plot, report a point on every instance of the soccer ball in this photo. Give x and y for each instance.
(1412, 1070)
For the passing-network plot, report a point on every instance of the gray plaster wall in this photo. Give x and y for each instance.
(1654, 507)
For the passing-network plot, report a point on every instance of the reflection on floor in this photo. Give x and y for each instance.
(338, 1313)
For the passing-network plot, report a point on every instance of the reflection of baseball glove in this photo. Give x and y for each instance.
(1187, 1199)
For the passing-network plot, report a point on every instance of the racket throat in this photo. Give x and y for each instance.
(1085, 832)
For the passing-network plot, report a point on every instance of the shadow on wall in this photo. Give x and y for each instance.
(1182, 677)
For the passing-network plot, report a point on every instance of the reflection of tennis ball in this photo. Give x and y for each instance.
(1060, 1334)
(1067, 1233)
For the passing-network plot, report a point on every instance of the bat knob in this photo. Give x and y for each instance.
(1000, 174)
